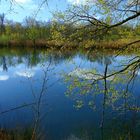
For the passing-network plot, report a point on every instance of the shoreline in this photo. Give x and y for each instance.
(89, 44)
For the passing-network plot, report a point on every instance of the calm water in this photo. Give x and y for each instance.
(55, 89)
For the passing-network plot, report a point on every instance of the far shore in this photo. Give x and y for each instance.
(88, 44)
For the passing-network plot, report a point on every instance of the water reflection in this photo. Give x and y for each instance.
(69, 96)
(25, 73)
(4, 77)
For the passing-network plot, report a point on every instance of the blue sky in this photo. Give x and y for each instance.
(23, 8)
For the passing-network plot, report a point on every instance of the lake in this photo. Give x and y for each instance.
(70, 95)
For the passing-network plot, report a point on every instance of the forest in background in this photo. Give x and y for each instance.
(56, 34)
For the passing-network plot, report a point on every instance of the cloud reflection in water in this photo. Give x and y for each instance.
(4, 77)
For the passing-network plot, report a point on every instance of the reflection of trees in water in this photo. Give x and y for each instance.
(10, 58)
(31, 58)
(112, 97)
(4, 64)
(97, 56)
(37, 104)
(107, 92)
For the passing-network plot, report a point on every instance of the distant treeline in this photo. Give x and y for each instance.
(54, 33)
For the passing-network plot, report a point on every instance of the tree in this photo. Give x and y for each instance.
(2, 27)
(32, 29)
(103, 15)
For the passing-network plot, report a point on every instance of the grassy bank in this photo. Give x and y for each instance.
(112, 44)
(88, 44)
(38, 44)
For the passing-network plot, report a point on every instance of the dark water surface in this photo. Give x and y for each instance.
(38, 87)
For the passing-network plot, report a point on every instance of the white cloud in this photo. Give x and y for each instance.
(86, 74)
(4, 77)
(22, 1)
(1, 70)
(74, 1)
(27, 73)
(81, 2)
